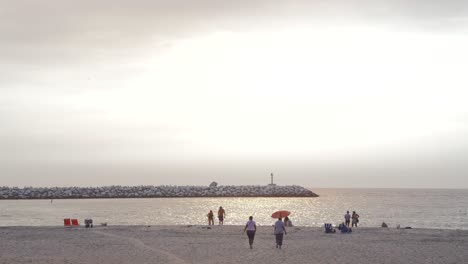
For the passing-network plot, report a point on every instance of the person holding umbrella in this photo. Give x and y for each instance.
(251, 227)
(280, 229)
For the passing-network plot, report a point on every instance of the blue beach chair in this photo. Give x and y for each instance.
(329, 228)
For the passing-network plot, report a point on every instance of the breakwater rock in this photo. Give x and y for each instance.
(154, 191)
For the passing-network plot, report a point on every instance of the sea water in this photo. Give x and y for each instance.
(418, 208)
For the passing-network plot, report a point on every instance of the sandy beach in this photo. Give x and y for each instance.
(228, 244)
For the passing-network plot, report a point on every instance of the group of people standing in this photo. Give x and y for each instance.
(354, 219)
(221, 216)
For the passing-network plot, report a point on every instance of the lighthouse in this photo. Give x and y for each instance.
(271, 184)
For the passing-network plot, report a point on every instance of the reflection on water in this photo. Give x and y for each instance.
(416, 208)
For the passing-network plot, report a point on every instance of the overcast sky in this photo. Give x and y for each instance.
(340, 93)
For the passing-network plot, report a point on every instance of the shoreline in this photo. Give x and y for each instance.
(309, 228)
(228, 244)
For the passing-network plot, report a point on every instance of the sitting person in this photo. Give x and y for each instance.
(345, 229)
(384, 225)
(329, 228)
(340, 226)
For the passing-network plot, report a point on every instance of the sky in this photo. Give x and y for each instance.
(335, 94)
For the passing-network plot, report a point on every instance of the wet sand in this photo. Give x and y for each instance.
(228, 244)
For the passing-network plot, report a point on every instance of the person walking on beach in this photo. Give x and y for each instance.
(287, 222)
(250, 227)
(210, 218)
(347, 218)
(221, 215)
(355, 219)
(279, 231)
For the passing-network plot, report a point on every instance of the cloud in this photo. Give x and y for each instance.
(113, 82)
(55, 33)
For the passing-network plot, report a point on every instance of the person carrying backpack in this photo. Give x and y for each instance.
(355, 219)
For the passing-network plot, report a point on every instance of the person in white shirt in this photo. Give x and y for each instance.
(279, 231)
(347, 217)
(251, 227)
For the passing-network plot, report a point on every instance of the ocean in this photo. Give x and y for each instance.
(418, 208)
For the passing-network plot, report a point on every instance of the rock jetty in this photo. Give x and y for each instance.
(153, 191)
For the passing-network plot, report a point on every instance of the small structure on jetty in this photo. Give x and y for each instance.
(154, 191)
(271, 184)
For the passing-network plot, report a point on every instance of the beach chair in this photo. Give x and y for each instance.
(74, 222)
(329, 228)
(66, 222)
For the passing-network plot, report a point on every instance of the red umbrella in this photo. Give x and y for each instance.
(281, 214)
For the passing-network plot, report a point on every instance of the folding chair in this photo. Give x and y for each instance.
(74, 222)
(66, 222)
(329, 228)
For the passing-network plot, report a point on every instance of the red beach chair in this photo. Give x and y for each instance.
(67, 222)
(74, 222)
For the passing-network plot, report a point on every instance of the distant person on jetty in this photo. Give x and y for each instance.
(355, 220)
(210, 218)
(279, 231)
(251, 227)
(221, 215)
(347, 218)
(287, 222)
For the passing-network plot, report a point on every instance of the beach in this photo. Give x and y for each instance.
(228, 244)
